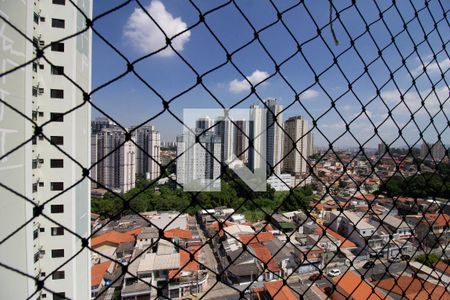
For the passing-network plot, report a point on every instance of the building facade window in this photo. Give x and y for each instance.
(56, 163)
(58, 23)
(57, 231)
(57, 253)
(55, 93)
(57, 208)
(57, 139)
(57, 70)
(58, 47)
(57, 117)
(58, 275)
(56, 186)
(59, 2)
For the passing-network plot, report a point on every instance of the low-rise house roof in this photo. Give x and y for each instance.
(345, 243)
(114, 237)
(98, 271)
(278, 291)
(256, 238)
(153, 262)
(178, 233)
(413, 288)
(351, 286)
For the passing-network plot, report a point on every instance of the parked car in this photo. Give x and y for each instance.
(369, 264)
(334, 272)
(394, 259)
(316, 276)
(405, 257)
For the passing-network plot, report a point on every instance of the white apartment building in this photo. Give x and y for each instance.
(296, 145)
(274, 143)
(115, 162)
(148, 153)
(41, 174)
(198, 167)
(257, 142)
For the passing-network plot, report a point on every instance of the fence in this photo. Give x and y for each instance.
(331, 232)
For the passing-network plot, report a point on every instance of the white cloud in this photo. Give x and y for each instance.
(309, 94)
(433, 67)
(142, 33)
(238, 86)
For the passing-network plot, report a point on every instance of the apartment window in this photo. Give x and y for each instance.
(57, 208)
(41, 184)
(36, 233)
(34, 91)
(57, 231)
(41, 229)
(43, 274)
(57, 252)
(36, 257)
(34, 164)
(34, 67)
(41, 43)
(54, 93)
(57, 117)
(58, 47)
(56, 186)
(56, 163)
(44, 296)
(36, 18)
(35, 187)
(58, 23)
(40, 91)
(33, 140)
(59, 296)
(57, 140)
(41, 67)
(59, 2)
(58, 275)
(57, 70)
(42, 19)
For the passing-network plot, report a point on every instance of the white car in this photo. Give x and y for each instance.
(334, 272)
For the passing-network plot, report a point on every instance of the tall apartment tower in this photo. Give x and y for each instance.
(115, 161)
(274, 144)
(147, 161)
(198, 163)
(257, 135)
(225, 131)
(296, 148)
(240, 140)
(39, 172)
(310, 143)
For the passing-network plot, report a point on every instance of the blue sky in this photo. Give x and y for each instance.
(130, 30)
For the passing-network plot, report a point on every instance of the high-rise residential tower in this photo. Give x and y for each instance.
(296, 147)
(148, 153)
(257, 141)
(240, 139)
(274, 143)
(39, 171)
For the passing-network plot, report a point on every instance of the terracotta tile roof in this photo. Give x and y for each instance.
(443, 267)
(186, 264)
(264, 255)
(352, 286)
(115, 237)
(437, 219)
(179, 233)
(414, 288)
(345, 243)
(98, 271)
(260, 237)
(278, 291)
(368, 197)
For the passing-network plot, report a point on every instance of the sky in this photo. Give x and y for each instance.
(129, 29)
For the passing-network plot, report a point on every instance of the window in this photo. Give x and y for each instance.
(35, 187)
(58, 47)
(41, 114)
(34, 91)
(41, 91)
(35, 233)
(57, 70)
(57, 231)
(43, 274)
(41, 67)
(36, 18)
(56, 163)
(54, 93)
(60, 2)
(57, 208)
(58, 253)
(58, 23)
(34, 67)
(44, 296)
(58, 275)
(41, 229)
(42, 19)
(41, 43)
(36, 257)
(34, 164)
(59, 296)
(57, 117)
(41, 184)
(56, 186)
(57, 140)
